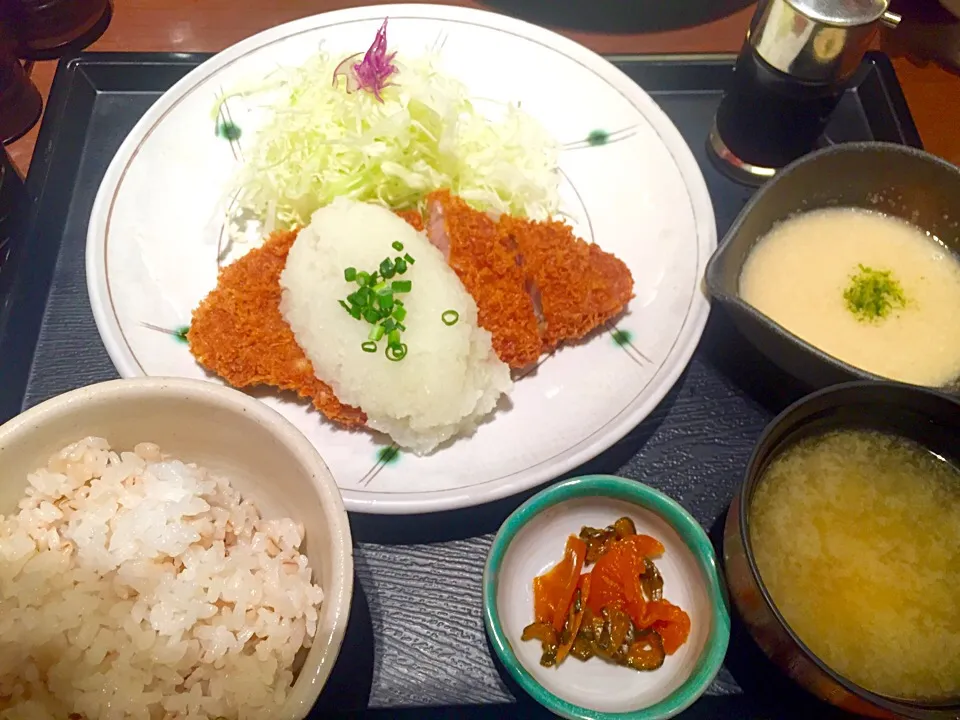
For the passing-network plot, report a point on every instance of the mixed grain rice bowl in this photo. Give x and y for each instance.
(134, 585)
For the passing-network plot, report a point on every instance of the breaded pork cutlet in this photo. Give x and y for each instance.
(576, 286)
(238, 333)
(535, 283)
(413, 218)
(485, 260)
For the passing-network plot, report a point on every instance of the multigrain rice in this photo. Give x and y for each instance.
(133, 585)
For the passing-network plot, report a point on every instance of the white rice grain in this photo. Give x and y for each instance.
(133, 585)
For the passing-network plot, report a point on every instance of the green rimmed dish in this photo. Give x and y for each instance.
(532, 540)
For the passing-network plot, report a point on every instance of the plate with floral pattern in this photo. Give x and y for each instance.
(630, 184)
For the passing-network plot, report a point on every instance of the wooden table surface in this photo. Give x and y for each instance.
(211, 25)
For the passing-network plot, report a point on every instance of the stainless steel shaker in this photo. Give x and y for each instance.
(792, 70)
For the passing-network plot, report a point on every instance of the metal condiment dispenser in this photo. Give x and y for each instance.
(791, 73)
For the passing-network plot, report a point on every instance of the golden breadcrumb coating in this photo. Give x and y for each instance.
(535, 285)
(238, 332)
(579, 285)
(485, 260)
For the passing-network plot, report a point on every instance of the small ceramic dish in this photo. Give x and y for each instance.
(231, 434)
(532, 540)
(895, 180)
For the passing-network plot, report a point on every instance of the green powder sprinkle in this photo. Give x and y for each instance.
(873, 294)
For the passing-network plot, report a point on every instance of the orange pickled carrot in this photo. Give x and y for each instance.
(553, 591)
(672, 624)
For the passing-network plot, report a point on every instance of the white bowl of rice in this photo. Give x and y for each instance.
(168, 549)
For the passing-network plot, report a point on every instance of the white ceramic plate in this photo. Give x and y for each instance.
(157, 219)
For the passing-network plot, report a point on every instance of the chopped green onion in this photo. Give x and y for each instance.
(374, 301)
(408, 258)
(450, 317)
(395, 353)
(398, 246)
(360, 297)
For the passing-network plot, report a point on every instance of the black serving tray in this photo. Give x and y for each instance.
(416, 647)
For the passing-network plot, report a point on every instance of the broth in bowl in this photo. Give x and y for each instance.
(856, 537)
(869, 289)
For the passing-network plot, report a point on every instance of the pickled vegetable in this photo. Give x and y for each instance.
(651, 581)
(574, 618)
(616, 611)
(553, 591)
(646, 652)
(670, 622)
(615, 636)
(616, 576)
(547, 636)
(598, 541)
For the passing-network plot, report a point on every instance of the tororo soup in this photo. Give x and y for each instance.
(869, 289)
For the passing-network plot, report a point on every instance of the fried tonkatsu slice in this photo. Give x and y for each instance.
(485, 260)
(239, 334)
(413, 218)
(535, 285)
(575, 285)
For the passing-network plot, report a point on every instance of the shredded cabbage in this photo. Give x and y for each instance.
(320, 142)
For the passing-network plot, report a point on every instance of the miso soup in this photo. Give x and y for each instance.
(856, 536)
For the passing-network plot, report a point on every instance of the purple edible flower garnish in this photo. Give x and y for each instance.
(371, 73)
